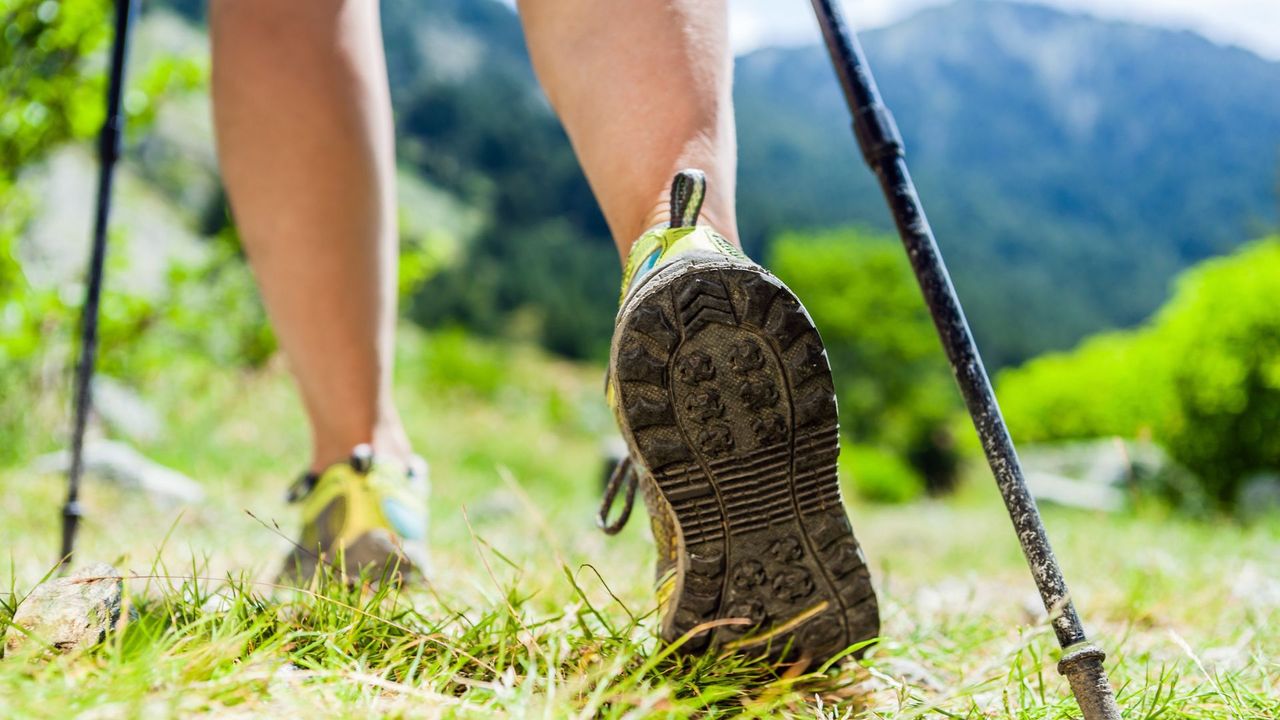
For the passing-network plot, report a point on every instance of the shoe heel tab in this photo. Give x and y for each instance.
(688, 189)
(362, 458)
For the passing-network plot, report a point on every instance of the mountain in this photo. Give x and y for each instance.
(1070, 166)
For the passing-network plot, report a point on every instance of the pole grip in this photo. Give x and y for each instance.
(1083, 669)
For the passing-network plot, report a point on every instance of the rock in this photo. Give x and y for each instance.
(911, 673)
(119, 463)
(1257, 587)
(1061, 490)
(69, 613)
(1259, 496)
(1093, 474)
(124, 410)
(54, 249)
(497, 506)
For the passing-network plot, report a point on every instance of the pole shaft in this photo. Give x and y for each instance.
(109, 140)
(882, 148)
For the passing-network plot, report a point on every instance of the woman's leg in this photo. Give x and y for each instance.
(720, 379)
(644, 89)
(305, 141)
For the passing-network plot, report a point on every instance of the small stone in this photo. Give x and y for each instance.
(118, 463)
(69, 613)
(911, 673)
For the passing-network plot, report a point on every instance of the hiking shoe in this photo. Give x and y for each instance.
(363, 516)
(722, 390)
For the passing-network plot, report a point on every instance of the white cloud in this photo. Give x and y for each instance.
(1252, 24)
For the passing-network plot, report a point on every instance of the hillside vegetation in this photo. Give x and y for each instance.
(1070, 166)
(1202, 378)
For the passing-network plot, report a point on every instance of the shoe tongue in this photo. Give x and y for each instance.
(687, 191)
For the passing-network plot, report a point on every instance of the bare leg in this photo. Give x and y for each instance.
(305, 141)
(644, 89)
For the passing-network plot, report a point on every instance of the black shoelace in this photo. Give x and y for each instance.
(624, 474)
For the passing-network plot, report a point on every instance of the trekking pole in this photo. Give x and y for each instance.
(882, 149)
(108, 152)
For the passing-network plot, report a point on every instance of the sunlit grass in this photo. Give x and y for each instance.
(531, 613)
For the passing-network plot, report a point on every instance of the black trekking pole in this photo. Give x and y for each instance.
(882, 149)
(108, 151)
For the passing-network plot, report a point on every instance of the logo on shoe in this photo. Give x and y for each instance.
(406, 523)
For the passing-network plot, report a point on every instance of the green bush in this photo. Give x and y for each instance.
(879, 475)
(894, 385)
(1201, 378)
(1114, 384)
(52, 78)
(1221, 336)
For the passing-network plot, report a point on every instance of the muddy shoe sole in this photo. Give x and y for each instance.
(726, 398)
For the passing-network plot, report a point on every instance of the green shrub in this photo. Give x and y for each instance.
(452, 358)
(52, 78)
(1201, 378)
(879, 475)
(1106, 387)
(894, 385)
(1221, 336)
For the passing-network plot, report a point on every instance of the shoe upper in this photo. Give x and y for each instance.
(362, 508)
(683, 237)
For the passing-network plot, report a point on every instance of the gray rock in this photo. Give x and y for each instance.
(1090, 474)
(124, 410)
(54, 249)
(1259, 496)
(911, 673)
(119, 463)
(1048, 487)
(70, 613)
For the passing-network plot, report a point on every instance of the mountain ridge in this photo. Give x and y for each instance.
(1065, 144)
(1071, 166)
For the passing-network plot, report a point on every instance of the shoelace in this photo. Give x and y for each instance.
(688, 189)
(624, 473)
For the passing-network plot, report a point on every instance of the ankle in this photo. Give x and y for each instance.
(660, 214)
(387, 438)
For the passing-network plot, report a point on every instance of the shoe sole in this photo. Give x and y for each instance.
(374, 555)
(727, 400)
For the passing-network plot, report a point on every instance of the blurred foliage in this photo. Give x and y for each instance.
(52, 79)
(1201, 378)
(895, 387)
(46, 95)
(470, 119)
(879, 475)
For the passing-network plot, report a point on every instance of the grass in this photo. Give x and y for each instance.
(531, 613)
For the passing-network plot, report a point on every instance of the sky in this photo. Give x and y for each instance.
(1251, 24)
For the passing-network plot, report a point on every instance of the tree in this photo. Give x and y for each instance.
(894, 386)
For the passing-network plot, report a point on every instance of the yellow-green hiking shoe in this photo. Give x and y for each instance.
(722, 390)
(366, 516)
